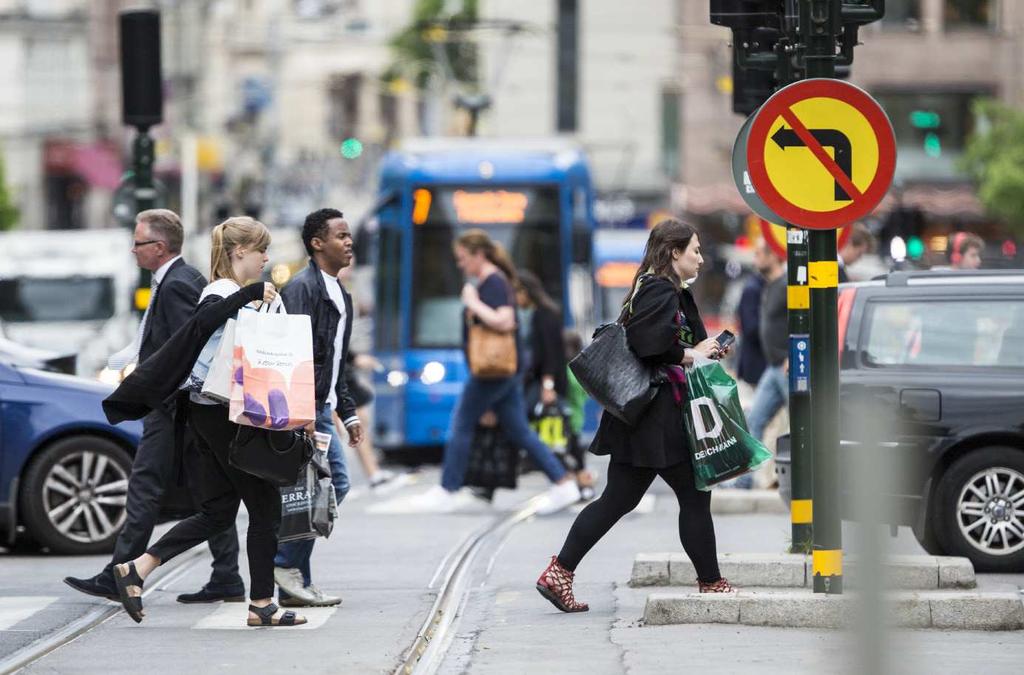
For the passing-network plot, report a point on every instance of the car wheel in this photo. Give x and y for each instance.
(980, 509)
(74, 493)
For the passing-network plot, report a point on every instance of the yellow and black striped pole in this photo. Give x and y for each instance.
(798, 302)
(818, 25)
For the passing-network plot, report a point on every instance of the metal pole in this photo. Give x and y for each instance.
(819, 21)
(798, 302)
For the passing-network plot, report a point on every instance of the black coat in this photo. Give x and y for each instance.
(307, 294)
(658, 439)
(547, 353)
(157, 378)
(174, 303)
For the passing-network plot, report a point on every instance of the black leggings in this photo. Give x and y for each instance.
(626, 486)
(222, 487)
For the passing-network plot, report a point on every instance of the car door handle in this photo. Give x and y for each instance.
(921, 405)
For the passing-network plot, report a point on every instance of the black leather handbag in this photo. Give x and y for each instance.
(274, 456)
(613, 375)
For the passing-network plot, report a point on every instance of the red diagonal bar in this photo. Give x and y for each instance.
(815, 147)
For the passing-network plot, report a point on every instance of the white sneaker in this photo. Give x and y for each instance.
(559, 497)
(380, 478)
(435, 500)
(289, 579)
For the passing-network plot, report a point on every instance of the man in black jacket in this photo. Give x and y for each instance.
(174, 293)
(316, 291)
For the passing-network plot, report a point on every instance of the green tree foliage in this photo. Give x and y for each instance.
(8, 211)
(414, 48)
(994, 158)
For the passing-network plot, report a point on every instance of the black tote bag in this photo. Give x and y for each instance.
(613, 375)
(274, 456)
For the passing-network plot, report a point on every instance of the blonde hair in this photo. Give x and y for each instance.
(235, 232)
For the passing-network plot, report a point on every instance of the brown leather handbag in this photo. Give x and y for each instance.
(491, 354)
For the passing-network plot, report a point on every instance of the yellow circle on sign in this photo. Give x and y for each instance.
(799, 176)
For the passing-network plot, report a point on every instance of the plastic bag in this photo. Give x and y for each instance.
(720, 446)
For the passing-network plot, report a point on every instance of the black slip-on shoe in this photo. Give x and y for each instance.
(209, 593)
(93, 586)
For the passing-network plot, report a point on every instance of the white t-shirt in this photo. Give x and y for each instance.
(334, 291)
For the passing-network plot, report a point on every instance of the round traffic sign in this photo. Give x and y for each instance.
(789, 160)
(741, 176)
(775, 235)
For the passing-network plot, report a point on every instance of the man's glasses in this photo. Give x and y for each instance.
(137, 244)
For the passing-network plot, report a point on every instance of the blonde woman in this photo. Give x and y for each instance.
(239, 254)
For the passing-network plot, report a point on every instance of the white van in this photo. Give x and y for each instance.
(69, 291)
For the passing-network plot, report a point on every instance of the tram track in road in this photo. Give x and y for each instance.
(434, 638)
(162, 577)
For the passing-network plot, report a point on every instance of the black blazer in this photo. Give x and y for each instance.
(307, 294)
(175, 301)
(547, 354)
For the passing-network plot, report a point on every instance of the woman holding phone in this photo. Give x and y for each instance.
(663, 327)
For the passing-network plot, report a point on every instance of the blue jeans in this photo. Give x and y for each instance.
(771, 394)
(298, 553)
(505, 398)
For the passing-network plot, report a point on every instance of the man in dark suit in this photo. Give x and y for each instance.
(174, 293)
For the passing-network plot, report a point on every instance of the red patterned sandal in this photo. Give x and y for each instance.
(555, 584)
(720, 586)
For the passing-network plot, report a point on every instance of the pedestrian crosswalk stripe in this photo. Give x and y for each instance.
(18, 608)
(232, 616)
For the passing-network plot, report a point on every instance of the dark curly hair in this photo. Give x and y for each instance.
(316, 226)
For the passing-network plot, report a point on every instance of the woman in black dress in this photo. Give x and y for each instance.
(664, 328)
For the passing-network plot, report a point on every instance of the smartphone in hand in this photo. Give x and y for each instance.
(725, 339)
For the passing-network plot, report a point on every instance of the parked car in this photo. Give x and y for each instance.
(938, 358)
(63, 468)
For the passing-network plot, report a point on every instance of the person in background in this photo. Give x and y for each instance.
(861, 242)
(663, 327)
(750, 361)
(965, 251)
(238, 255)
(316, 292)
(175, 292)
(576, 400)
(773, 388)
(488, 298)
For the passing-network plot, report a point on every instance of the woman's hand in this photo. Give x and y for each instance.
(269, 292)
(470, 296)
(548, 395)
(709, 349)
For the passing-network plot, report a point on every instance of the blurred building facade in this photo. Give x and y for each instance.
(926, 62)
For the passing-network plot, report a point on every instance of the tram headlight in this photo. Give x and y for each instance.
(433, 372)
(397, 378)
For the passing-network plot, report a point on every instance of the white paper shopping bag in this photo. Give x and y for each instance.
(217, 385)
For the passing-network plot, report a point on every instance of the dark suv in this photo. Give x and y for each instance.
(937, 358)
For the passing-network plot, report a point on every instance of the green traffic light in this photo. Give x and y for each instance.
(925, 119)
(915, 247)
(351, 148)
(932, 145)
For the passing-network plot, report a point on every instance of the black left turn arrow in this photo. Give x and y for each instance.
(833, 138)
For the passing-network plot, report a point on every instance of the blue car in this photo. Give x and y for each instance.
(63, 468)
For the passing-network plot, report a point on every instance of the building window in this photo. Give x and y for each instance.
(670, 132)
(969, 14)
(931, 129)
(902, 15)
(343, 96)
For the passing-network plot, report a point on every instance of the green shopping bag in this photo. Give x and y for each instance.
(720, 446)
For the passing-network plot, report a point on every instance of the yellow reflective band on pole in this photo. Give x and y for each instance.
(142, 298)
(828, 563)
(801, 511)
(798, 297)
(823, 273)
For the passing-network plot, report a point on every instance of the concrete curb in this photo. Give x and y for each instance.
(943, 610)
(788, 570)
(733, 501)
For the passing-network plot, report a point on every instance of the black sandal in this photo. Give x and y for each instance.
(266, 617)
(127, 578)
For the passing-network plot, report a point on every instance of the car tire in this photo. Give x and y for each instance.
(971, 496)
(73, 495)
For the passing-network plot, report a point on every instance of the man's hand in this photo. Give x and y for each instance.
(548, 396)
(310, 429)
(355, 435)
(368, 362)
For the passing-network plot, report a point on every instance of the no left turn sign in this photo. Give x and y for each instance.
(821, 153)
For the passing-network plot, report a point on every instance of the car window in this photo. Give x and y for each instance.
(950, 332)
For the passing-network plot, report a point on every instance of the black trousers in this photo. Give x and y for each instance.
(222, 489)
(626, 486)
(152, 472)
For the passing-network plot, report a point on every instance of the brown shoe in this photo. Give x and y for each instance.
(720, 586)
(555, 584)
